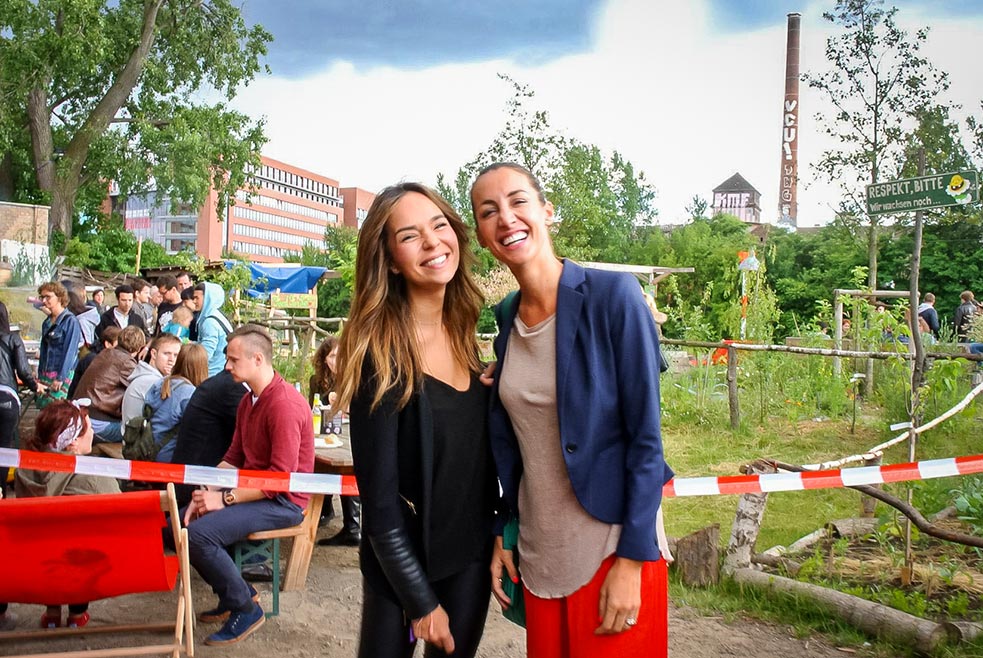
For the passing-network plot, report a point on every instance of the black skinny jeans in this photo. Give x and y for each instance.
(465, 595)
(9, 419)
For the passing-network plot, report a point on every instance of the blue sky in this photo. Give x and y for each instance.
(310, 34)
(690, 91)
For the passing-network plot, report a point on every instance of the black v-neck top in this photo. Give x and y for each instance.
(463, 477)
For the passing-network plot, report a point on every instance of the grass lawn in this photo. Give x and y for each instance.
(694, 450)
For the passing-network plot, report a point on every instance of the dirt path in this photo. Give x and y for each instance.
(322, 622)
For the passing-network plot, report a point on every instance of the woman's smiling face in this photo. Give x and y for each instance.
(513, 221)
(422, 243)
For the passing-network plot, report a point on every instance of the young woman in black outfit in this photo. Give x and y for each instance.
(13, 364)
(409, 376)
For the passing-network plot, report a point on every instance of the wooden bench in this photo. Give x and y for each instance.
(84, 548)
(266, 545)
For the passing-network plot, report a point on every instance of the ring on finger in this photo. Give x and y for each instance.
(631, 621)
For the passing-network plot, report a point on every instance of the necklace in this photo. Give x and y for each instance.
(428, 324)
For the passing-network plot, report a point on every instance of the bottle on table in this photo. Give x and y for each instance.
(316, 413)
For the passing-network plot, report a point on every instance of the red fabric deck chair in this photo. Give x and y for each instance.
(67, 549)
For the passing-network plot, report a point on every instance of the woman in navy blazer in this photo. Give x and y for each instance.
(607, 407)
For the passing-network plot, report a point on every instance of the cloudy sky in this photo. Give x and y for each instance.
(378, 91)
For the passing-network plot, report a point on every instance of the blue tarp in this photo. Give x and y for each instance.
(267, 278)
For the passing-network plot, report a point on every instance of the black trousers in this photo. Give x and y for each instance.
(9, 419)
(385, 632)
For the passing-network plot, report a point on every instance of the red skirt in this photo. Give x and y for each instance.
(564, 627)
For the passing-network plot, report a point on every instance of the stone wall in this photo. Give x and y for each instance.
(24, 223)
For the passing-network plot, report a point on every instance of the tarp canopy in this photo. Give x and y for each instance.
(268, 278)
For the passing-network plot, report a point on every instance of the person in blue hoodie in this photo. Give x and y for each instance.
(169, 397)
(213, 327)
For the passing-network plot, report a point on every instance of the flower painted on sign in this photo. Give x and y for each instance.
(959, 189)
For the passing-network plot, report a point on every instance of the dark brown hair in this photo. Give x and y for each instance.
(52, 421)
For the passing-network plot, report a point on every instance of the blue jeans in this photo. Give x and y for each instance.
(107, 431)
(209, 535)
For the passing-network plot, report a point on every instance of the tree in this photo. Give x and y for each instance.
(878, 84)
(600, 201)
(697, 208)
(103, 91)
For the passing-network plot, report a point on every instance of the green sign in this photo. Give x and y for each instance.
(910, 194)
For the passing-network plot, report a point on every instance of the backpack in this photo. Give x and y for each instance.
(138, 438)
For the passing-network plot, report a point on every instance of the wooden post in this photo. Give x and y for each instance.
(139, 253)
(837, 329)
(732, 400)
(917, 371)
(698, 557)
(868, 505)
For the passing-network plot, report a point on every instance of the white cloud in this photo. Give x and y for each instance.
(688, 103)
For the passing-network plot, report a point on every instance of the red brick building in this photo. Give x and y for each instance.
(288, 208)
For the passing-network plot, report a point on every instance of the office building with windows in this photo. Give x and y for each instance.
(286, 208)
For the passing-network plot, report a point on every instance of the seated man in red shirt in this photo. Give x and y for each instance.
(274, 432)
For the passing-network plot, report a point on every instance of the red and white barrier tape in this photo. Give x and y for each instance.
(345, 484)
(180, 473)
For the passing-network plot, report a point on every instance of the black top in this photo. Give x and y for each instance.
(164, 312)
(463, 508)
(205, 431)
(80, 369)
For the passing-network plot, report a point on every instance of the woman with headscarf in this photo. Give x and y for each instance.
(63, 427)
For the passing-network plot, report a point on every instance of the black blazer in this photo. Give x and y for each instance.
(393, 452)
(108, 319)
(393, 455)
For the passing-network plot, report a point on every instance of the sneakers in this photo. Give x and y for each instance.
(239, 626)
(79, 620)
(8, 621)
(220, 612)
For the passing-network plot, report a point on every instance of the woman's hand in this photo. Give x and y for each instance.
(55, 385)
(487, 377)
(621, 597)
(502, 565)
(435, 629)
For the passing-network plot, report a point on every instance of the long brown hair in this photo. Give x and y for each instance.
(324, 379)
(191, 365)
(380, 325)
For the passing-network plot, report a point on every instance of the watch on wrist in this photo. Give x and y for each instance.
(228, 497)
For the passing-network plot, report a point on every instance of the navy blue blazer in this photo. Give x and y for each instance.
(607, 383)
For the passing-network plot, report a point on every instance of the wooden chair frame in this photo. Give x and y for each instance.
(182, 627)
(267, 545)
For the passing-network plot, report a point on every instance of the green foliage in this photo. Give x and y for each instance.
(27, 270)
(879, 84)
(968, 499)
(108, 91)
(601, 201)
(106, 246)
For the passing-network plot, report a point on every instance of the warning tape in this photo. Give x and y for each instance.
(832, 479)
(345, 485)
(122, 469)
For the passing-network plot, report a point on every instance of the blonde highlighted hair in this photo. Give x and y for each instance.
(191, 366)
(380, 325)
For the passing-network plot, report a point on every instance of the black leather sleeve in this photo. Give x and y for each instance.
(21, 365)
(404, 571)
